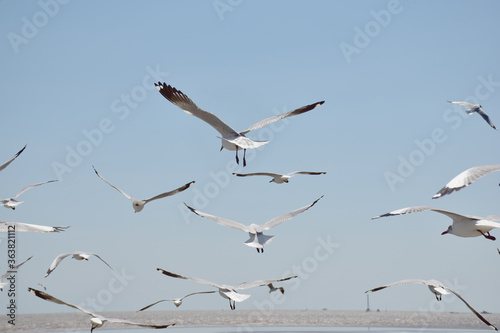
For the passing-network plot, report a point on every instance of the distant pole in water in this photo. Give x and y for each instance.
(367, 303)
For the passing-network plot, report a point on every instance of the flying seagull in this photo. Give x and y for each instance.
(462, 226)
(3, 166)
(78, 255)
(278, 178)
(227, 291)
(475, 108)
(12, 202)
(231, 139)
(257, 239)
(139, 204)
(97, 320)
(466, 178)
(438, 289)
(13, 269)
(177, 301)
(25, 227)
(273, 288)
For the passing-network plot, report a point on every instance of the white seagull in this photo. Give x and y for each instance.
(139, 204)
(462, 226)
(12, 202)
(466, 178)
(438, 289)
(177, 301)
(475, 108)
(77, 255)
(278, 178)
(227, 291)
(25, 227)
(3, 166)
(257, 239)
(97, 320)
(231, 139)
(273, 288)
(12, 269)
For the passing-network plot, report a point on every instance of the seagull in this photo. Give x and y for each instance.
(231, 139)
(3, 166)
(462, 226)
(273, 288)
(177, 301)
(466, 178)
(278, 178)
(25, 227)
(227, 291)
(97, 320)
(475, 108)
(139, 204)
(13, 269)
(438, 289)
(78, 255)
(257, 239)
(12, 202)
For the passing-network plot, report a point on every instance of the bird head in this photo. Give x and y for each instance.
(138, 205)
(448, 231)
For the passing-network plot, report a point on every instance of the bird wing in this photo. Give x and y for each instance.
(221, 221)
(256, 174)
(180, 100)
(25, 227)
(270, 120)
(167, 194)
(189, 278)
(13, 269)
(198, 292)
(56, 262)
(305, 173)
(3, 166)
(467, 104)
(50, 298)
(150, 305)
(96, 255)
(485, 117)
(116, 188)
(128, 322)
(472, 309)
(258, 283)
(31, 186)
(285, 217)
(418, 209)
(466, 178)
(408, 281)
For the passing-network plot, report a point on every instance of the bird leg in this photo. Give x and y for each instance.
(232, 306)
(244, 160)
(237, 158)
(438, 297)
(487, 235)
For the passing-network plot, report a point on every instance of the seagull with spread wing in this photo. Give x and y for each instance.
(12, 202)
(257, 239)
(462, 225)
(227, 291)
(77, 255)
(97, 320)
(14, 268)
(438, 289)
(475, 108)
(177, 301)
(231, 139)
(278, 178)
(466, 178)
(26, 227)
(3, 166)
(138, 205)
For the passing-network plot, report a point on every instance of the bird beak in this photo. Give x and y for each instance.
(444, 232)
(222, 147)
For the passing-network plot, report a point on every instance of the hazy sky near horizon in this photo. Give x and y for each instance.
(78, 89)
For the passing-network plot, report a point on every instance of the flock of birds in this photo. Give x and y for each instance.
(462, 226)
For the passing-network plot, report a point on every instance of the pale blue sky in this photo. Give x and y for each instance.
(87, 69)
